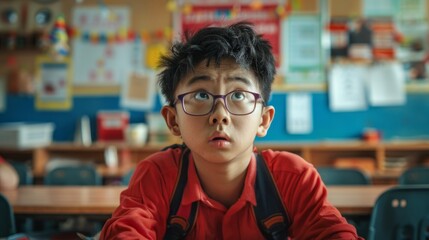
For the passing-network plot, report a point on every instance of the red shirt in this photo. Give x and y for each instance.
(144, 205)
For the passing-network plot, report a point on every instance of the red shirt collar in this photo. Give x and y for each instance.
(194, 192)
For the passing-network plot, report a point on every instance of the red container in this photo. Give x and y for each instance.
(111, 125)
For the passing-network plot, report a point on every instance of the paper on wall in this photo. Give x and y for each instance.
(101, 63)
(347, 87)
(138, 90)
(386, 84)
(299, 117)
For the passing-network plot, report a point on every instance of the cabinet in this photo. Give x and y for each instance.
(383, 161)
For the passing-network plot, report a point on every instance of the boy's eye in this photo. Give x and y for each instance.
(238, 96)
(201, 96)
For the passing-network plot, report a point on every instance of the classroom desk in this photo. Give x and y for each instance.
(39, 200)
(64, 200)
(355, 200)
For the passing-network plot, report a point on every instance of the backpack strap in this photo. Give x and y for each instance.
(178, 226)
(269, 211)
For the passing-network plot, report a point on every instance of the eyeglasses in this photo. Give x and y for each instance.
(200, 103)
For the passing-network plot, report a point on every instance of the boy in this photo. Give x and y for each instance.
(217, 83)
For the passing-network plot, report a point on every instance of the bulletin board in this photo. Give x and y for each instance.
(139, 24)
(361, 32)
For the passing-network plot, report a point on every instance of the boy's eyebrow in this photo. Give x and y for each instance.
(198, 79)
(240, 79)
(208, 78)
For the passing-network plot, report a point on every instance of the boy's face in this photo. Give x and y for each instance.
(219, 136)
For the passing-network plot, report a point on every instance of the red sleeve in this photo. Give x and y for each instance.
(305, 199)
(143, 209)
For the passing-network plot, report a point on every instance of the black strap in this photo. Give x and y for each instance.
(177, 226)
(270, 213)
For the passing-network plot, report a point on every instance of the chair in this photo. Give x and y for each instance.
(415, 175)
(7, 226)
(24, 172)
(82, 175)
(401, 213)
(343, 176)
(127, 177)
(72, 174)
(348, 176)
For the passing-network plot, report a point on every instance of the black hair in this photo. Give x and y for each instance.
(238, 41)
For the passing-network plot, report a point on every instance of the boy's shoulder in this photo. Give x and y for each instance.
(165, 155)
(164, 161)
(287, 162)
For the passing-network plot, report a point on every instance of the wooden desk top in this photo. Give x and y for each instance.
(64, 200)
(357, 200)
(104, 200)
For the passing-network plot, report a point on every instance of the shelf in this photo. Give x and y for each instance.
(371, 157)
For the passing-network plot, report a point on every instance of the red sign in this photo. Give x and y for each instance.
(265, 21)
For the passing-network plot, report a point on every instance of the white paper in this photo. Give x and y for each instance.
(347, 87)
(299, 117)
(386, 84)
(137, 52)
(101, 64)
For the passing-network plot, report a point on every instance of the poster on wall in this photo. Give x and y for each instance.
(265, 20)
(100, 64)
(386, 84)
(299, 117)
(301, 49)
(347, 87)
(53, 91)
(102, 52)
(138, 91)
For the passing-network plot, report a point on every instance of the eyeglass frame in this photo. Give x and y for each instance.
(180, 98)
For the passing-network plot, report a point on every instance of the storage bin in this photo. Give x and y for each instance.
(26, 135)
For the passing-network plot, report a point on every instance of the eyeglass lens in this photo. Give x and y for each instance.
(202, 103)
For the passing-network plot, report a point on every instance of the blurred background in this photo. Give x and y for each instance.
(343, 68)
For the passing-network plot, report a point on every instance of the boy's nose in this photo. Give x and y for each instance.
(220, 113)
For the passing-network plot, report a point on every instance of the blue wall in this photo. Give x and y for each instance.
(410, 121)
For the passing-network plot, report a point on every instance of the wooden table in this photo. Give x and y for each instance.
(356, 200)
(64, 200)
(37, 200)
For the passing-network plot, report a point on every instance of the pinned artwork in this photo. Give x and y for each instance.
(53, 91)
(138, 91)
(103, 55)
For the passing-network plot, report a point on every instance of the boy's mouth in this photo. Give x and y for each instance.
(219, 137)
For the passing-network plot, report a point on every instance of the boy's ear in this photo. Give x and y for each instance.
(266, 119)
(169, 113)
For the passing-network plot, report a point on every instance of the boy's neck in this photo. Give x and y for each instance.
(223, 182)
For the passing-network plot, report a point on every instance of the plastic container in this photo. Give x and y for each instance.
(26, 135)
